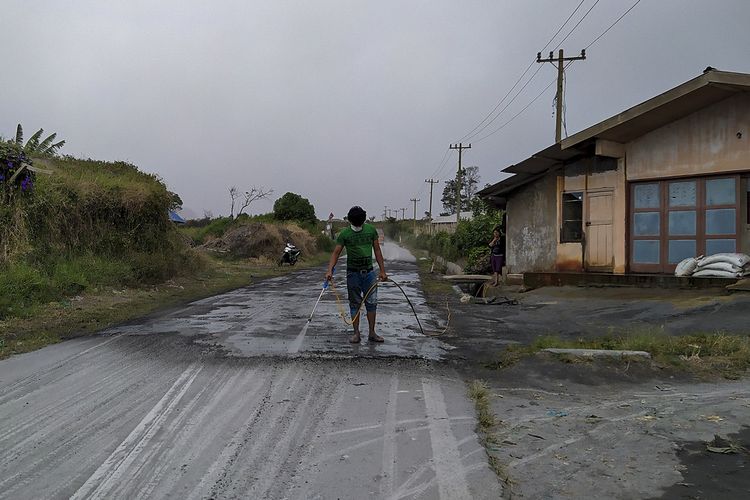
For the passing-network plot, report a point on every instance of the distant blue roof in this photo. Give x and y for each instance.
(175, 217)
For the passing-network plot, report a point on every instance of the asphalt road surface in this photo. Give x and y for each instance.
(237, 397)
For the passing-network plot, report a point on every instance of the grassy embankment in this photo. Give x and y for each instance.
(707, 354)
(92, 246)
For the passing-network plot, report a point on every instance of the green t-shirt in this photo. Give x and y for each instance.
(358, 246)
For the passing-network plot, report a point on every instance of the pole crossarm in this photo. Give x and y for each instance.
(560, 60)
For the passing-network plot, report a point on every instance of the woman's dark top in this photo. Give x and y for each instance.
(498, 248)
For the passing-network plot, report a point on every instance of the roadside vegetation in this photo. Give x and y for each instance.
(487, 423)
(466, 247)
(705, 354)
(85, 244)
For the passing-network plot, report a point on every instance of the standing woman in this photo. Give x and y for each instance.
(497, 255)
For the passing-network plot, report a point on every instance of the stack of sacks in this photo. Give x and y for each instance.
(720, 265)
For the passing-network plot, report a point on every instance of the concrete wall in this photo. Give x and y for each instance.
(745, 237)
(531, 235)
(704, 142)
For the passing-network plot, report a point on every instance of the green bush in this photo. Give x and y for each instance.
(324, 243)
(478, 261)
(21, 286)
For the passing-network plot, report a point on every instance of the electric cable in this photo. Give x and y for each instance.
(613, 24)
(522, 109)
(472, 133)
(576, 25)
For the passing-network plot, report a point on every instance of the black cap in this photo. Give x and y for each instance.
(356, 216)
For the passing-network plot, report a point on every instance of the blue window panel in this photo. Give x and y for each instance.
(721, 221)
(721, 192)
(682, 223)
(682, 194)
(721, 246)
(646, 196)
(646, 223)
(681, 249)
(646, 251)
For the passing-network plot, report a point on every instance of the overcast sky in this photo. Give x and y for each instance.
(344, 102)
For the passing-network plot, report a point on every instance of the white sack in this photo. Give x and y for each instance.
(705, 273)
(738, 259)
(720, 266)
(686, 267)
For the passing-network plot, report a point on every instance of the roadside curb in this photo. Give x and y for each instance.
(599, 353)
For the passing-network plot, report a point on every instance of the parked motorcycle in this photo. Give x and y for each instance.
(290, 256)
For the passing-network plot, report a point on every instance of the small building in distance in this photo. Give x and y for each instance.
(447, 223)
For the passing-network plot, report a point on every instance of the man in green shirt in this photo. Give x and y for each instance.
(360, 241)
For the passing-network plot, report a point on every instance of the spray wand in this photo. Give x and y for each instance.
(322, 291)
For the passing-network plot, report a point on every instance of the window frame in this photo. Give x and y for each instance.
(664, 209)
(563, 220)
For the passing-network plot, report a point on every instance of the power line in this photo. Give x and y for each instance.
(439, 168)
(574, 27)
(587, 46)
(519, 80)
(613, 24)
(469, 136)
(522, 109)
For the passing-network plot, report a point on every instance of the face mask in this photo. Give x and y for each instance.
(356, 229)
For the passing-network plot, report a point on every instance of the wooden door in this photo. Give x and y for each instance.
(599, 252)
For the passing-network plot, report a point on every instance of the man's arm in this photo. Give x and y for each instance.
(332, 263)
(379, 259)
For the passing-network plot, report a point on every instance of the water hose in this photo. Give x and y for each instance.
(350, 322)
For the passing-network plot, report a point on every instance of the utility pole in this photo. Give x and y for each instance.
(415, 200)
(432, 182)
(460, 148)
(385, 211)
(559, 96)
(403, 213)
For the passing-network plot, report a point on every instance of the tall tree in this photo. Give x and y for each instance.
(292, 206)
(469, 178)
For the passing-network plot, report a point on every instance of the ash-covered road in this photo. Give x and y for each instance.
(231, 397)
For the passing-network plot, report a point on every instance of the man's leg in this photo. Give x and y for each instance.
(371, 305)
(373, 337)
(355, 338)
(354, 291)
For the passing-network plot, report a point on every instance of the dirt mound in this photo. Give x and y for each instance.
(259, 239)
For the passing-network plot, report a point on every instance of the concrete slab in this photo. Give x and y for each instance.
(599, 353)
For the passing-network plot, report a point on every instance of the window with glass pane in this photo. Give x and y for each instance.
(720, 192)
(681, 249)
(646, 196)
(646, 251)
(646, 223)
(572, 217)
(682, 223)
(682, 194)
(721, 221)
(721, 246)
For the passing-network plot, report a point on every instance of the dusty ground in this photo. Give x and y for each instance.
(480, 331)
(612, 430)
(608, 429)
